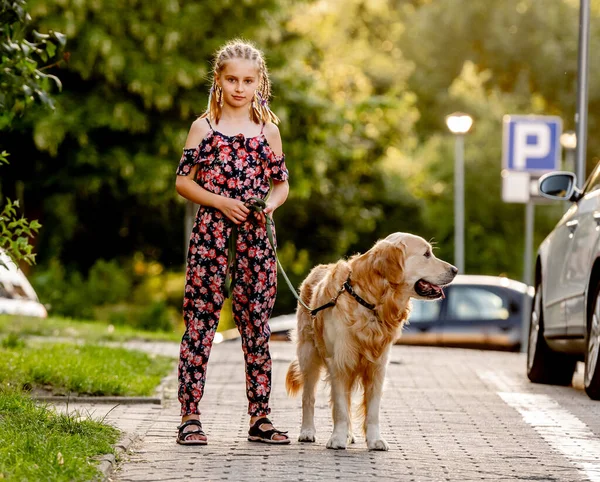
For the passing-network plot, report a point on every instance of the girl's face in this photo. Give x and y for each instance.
(239, 80)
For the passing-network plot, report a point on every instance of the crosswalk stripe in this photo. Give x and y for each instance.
(562, 430)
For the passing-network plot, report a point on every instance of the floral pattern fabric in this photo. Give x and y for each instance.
(240, 168)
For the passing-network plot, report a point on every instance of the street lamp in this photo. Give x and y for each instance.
(459, 124)
(568, 140)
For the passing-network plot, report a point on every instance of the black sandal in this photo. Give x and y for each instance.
(182, 437)
(255, 434)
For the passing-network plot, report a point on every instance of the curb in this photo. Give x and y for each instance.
(109, 461)
(118, 400)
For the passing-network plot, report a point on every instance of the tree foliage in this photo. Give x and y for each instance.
(22, 84)
(490, 59)
(101, 169)
(362, 87)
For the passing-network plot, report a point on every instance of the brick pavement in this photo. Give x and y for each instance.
(441, 414)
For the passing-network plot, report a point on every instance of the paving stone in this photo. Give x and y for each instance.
(441, 414)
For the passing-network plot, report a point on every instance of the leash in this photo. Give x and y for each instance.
(258, 205)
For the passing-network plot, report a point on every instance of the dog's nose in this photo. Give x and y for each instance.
(454, 270)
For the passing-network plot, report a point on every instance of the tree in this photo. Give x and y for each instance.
(362, 88)
(22, 84)
(102, 167)
(489, 59)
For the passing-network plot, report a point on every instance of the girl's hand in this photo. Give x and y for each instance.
(234, 209)
(267, 211)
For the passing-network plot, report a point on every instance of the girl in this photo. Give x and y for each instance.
(231, 153)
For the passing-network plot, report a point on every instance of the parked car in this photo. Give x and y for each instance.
(17, 296)
(565, 317)
(477, 312)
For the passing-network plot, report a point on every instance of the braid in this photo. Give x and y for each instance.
(259, 111)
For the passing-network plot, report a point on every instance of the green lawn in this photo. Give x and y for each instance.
(92, 331)
(64, 368)
(38, 444)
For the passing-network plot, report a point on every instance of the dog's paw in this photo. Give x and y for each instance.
(306, 435)
(336, 443)
(379, 444)
(351, 438)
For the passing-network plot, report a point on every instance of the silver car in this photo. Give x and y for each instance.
(565, 315)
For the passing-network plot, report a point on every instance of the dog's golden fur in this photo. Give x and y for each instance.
(352, 341)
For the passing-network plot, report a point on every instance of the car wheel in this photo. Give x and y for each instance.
(544, 365)
(591, 378)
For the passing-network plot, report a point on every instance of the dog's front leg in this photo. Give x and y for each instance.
(341, 415)
(373, 385)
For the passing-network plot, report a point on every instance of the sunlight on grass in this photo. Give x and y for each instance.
(65, 368)
(85, 330)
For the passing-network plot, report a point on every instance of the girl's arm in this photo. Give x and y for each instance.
(281, 189)
(187, 187)
(278, 195)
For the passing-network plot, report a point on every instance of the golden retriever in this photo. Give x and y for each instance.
(353, 341)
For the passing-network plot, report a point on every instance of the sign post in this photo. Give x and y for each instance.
(581, 118)
(531, 148)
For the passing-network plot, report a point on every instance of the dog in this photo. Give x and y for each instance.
(352, 339)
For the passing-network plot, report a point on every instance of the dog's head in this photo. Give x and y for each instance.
(408, 260)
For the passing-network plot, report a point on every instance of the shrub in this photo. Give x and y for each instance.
(107, 283)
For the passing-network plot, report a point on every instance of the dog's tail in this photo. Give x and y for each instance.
(293, 379)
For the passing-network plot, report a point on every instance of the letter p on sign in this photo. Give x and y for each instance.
(531, 143)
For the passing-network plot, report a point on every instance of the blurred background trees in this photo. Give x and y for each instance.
(362, 88)
(23, 83)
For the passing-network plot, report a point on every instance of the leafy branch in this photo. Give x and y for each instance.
(22, 84)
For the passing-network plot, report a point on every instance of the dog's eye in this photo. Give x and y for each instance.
(428, 254)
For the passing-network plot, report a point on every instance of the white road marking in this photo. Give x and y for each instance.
(562, 430)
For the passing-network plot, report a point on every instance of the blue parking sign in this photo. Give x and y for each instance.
(531, 143)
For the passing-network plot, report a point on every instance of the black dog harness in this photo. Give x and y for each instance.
(348, 288)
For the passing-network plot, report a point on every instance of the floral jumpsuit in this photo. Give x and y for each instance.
(240, 168)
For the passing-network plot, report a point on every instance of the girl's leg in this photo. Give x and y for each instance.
(203, 300)
(253, 301)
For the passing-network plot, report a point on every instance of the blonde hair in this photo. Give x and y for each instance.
(239, 49)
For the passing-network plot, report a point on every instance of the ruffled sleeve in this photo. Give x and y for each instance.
(279, 171)
(188, 159)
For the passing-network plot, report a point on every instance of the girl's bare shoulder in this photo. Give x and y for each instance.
(273, 136)
(198, 131)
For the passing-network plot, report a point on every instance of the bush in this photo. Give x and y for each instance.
(63, 293)
(108, 283)
(157, 316)
(137, 293)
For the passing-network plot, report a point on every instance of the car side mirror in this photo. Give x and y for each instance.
(559, 185)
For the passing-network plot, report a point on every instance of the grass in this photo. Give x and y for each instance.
(38, 444)
(91, 331)
(66, 368)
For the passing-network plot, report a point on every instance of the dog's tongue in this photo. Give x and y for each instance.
(431, 287)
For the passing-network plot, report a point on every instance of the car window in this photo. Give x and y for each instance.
(593, 182)
(20, 292)
(470, 303)
(424, 311)
(4, 293)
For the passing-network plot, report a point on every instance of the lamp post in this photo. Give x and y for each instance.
(459, 124)
(568, 140)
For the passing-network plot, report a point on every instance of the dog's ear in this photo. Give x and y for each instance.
(388, 260)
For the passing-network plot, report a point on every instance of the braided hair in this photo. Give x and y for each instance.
(259, 111)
